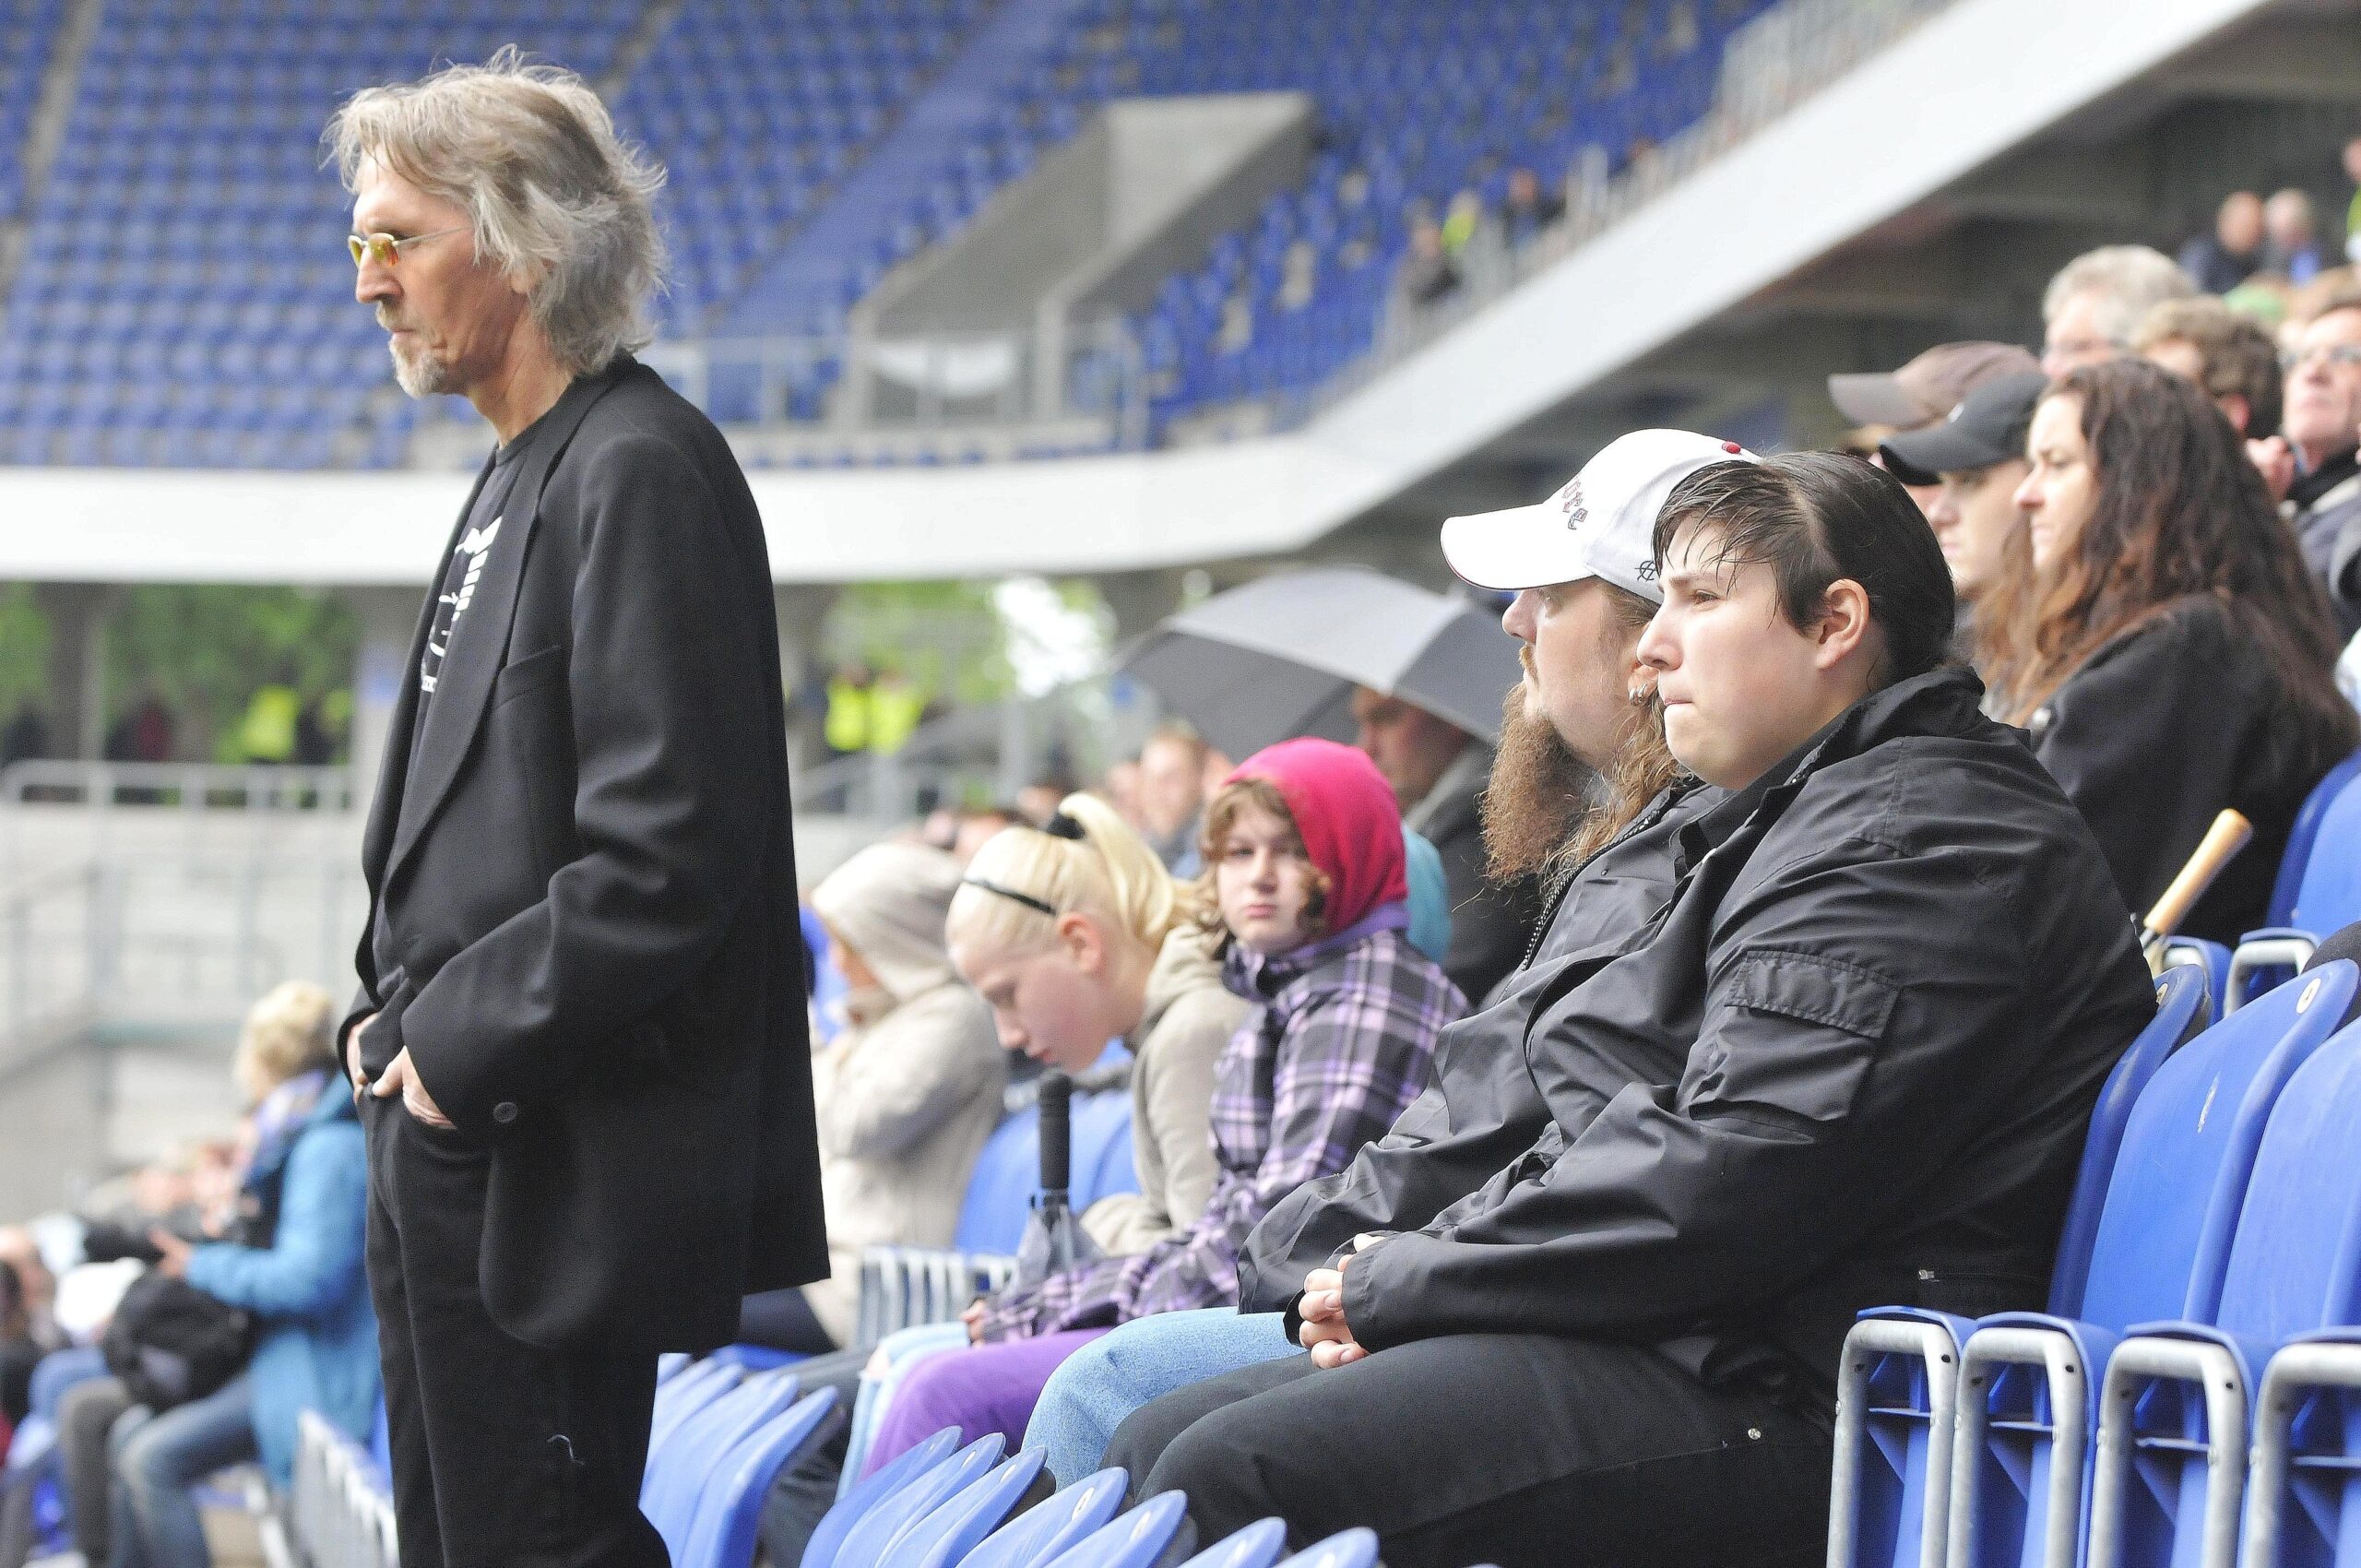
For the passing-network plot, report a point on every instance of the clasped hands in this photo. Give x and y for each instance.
(1324, 1333)
(399, 1078)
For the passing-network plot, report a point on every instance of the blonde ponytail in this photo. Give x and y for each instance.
(1023, 874)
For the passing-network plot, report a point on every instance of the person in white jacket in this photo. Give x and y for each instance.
(907, 1093)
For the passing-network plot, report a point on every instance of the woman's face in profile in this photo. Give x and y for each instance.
(2061, 488)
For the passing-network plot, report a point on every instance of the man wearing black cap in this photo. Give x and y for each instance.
(1924, 391)
(1976, 460)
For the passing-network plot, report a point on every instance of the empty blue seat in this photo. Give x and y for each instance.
(955, 1525)
(1347, 1549)
(2318, 889)
(1155, 1532)
(881, 1530)
(2029, 1383)
(1259, 1545)
(865, 1494)
(1054, 1524)
(731, 1508)
(1896, 1384)
(2173, 1434)
(679, 1469)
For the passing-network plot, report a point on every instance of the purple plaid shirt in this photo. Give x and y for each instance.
(1345, 1041)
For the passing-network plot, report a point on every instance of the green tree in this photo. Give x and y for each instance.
(24, 648)
(206, 648)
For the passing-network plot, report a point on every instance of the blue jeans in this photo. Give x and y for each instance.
(1086, 1398)
(158, 1459)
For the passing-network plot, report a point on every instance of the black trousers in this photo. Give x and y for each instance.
(1512, 1449)
(505, 1455)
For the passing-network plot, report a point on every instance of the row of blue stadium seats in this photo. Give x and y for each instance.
(221, 448)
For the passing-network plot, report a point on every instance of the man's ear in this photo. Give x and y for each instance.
(1843, 624)
(1084, 942)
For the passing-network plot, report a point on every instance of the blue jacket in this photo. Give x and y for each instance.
(317, 1348)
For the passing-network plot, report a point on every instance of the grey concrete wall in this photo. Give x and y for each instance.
(1137, 196)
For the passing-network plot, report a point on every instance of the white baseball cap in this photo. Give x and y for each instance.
(1601, 525)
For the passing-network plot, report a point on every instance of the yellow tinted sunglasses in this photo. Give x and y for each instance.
(386, 249)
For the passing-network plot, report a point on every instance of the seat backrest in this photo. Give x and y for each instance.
(2305, 836)
(730, 1509)
(955, 1527)
(1356, 1548)
(881, 1530)
(2295, 1262)
(2328, 893)
(821, 1550)
(1140, 1539)
(2180, 1175)
(1051, 1526)
(1257, 1546)
(1000, 1189)
(1102, 1148)
(678, 1474)
(2180, 1013)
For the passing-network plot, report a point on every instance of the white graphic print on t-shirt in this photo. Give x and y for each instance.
(473, 548)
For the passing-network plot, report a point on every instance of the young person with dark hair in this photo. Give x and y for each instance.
(2169, 654)
(1847, 1062)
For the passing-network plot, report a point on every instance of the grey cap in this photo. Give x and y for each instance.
(1928, 387)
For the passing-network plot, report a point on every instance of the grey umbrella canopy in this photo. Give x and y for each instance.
(1280, 656)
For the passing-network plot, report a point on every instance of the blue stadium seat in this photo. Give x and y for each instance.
(1153, 1533)
(955, 1525)
(1259, 1545)
(865, 1494)
(1897, 1383)
(2319, 890)
(687, 1394)
(2029, 1383)
(1052, 1525)
(679, 1467)
(730, 1511)
(1347, 1549)
(882, 1530)
(2173, 1435)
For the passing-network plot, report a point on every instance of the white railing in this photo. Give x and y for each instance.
(339, 1512)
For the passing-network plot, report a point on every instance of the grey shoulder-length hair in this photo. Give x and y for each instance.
(552, 194)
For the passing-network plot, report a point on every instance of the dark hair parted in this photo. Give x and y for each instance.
(1817, 518)
(2180, 514)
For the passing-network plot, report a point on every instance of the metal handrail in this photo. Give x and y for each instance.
(189, 786)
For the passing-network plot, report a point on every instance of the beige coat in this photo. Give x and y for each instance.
(911, 1089)
(1189, 1019)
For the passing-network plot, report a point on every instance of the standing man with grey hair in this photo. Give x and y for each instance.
(580, 1037)
(2092, 308)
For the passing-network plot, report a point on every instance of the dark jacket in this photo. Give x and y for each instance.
(2162, 729)
(1492, 923)
(1848, 1061)
(1464, 1129)
(589, 943)
(317, 1344)
(2324, 508)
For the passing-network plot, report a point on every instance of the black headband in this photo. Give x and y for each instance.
(1027, 899)
(1061, 826)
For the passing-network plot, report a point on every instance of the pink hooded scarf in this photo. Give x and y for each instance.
(1345, 813)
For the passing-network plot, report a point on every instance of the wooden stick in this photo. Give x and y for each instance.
(2222, 842)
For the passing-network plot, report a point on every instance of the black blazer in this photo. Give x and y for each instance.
(587, 883)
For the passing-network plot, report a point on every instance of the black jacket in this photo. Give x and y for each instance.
(590, 944)
(1474, 1119)
(1847, 1061)
(2324, 508)
(2157, 732)
(1492, 923)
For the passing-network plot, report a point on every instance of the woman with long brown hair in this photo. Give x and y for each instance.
(2169, 653)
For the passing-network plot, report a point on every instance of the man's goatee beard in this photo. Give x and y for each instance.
(422, 378)
(1539, 795)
